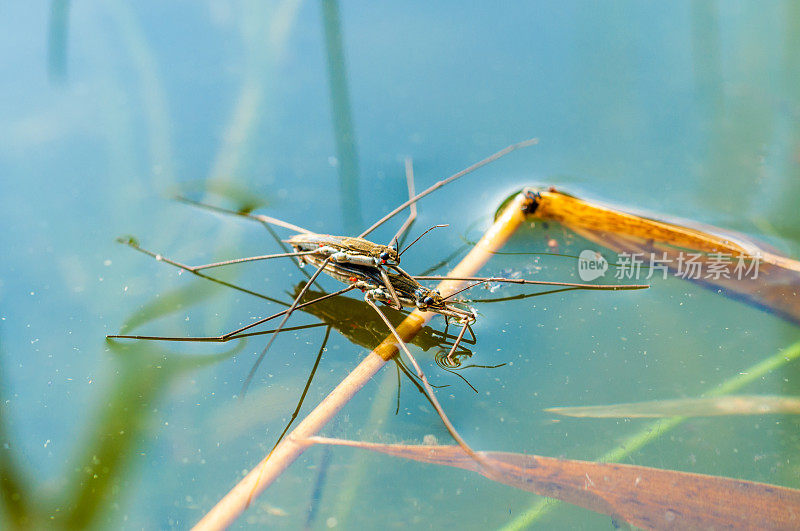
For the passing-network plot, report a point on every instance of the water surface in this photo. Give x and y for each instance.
(109, 109)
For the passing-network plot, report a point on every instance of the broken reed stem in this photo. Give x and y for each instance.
(268, 470)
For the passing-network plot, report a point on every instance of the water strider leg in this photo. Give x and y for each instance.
(299, 403)
(413, 378)
(266, 221)
(443, 364)
(235, 334)
(183, 267)
(286, 329)
(397, 409)
(451, 362)
(523, 296)
(390, 287)
(288, 314)
(249, 259)
(457, 342)
(429, 390)
(413, 200)
(412, 215)
(469, 328)
(257, 217)
(483, 280)
(130, 242)
(401, 367)
(412, 211)
(451, 371)
(305, 390)
(286, 248)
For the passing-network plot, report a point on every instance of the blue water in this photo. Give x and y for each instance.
(109, 109)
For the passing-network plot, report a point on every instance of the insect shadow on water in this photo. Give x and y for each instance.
(349, 318)
(375, 270)
(356, 321)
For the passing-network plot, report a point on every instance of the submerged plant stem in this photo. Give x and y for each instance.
(656, 429)
(259, 478)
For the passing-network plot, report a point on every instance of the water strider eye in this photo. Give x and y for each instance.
(427, 301)
(384, 256)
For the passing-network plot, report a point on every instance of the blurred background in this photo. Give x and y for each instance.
(306, 110)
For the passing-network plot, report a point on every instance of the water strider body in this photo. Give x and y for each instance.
(407, 290)
(346, 249)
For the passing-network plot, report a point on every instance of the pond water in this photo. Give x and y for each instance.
(308, 109)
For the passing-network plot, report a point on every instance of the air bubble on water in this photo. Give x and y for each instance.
(106, 262)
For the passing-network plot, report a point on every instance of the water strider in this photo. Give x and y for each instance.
(372, 268)
(329, 249)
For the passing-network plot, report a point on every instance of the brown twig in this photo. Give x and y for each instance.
(259, 478)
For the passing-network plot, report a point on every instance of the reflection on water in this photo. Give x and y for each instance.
(109, 443)
(343, 132)
(57, 40)
(355, 320)
(689, 110)
(122, 424)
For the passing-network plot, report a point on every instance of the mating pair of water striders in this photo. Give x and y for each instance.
(375, 270)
